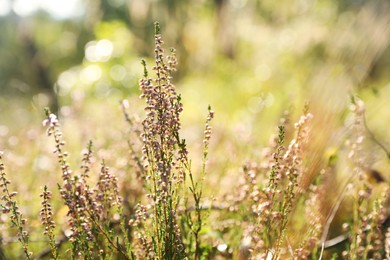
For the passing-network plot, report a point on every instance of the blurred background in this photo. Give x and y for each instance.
(251, 60)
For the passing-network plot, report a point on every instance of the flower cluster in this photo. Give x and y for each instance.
(90, 209)
(164, 153)
(71, 190)
(269, 192)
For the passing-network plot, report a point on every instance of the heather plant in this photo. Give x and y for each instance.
(46, 214)
(11, 207)
(91, 210)
(194, 217)
(366, 234)
(167, 166)
(166, 212)
(271, 192)
(164, 154)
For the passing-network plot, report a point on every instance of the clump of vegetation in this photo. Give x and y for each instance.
(169, 216)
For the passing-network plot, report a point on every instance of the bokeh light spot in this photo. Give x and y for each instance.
(90, 74)
(5, 7)
(99, 51)
(25, 7)
(62, 9)
(66, 81)
(117, 72)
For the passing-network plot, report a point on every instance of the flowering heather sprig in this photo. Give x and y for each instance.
(268, 205)
(367, 236)
(164, 153)
(142, 244)
(314, 220)
(94, 210)
(261, 201)
(67, 189)
(206, 138)
(11, 206)
(136, 132)
(88, 209)
(194, 219)
(54, 130)
(374, 239)
(267, 208)
(86, 166)
(273, 203)
(362, 188)
(293, 161)
(356, 150)
(107, 193)
(164, 106)
(275, 173)
(361, 221)
(259, 212)
(74, 191)
(293, 158)
(46, 214)
(370, 236)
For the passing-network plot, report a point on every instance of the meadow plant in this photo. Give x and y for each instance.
(366, 234)
(164, 153)
(268, 214)
(166, 164)
(90, 210)
(11, 207)
(272, 193)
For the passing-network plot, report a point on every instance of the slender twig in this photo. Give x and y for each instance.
(107, 236)
(343, 237)
(373, 138)
(136, 158)
(331, 216)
